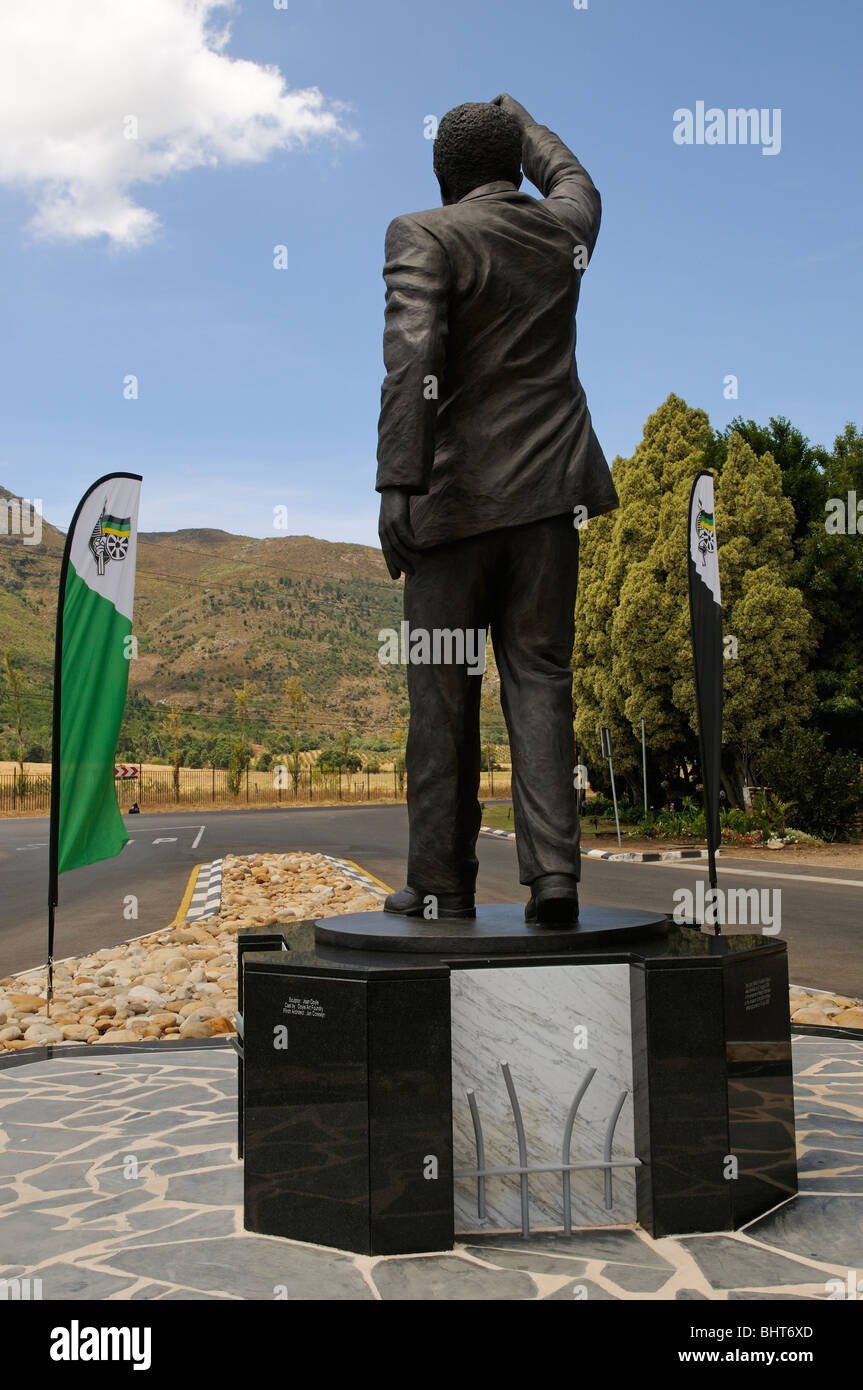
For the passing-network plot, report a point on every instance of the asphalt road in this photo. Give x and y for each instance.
(822, 908)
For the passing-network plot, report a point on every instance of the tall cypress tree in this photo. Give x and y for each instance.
(633, 656)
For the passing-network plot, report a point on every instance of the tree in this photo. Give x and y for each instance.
(633, 655)
(172, 728)
(241, 700)
(767, 684)
(297, 704)
(830, 573)
(399, 761)
(487, 702)
(630, 658)
(239, 759)
(15, 681)
(826, 788)
(337, 758)
(801, 465)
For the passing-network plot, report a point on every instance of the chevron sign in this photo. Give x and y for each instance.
(122, 770)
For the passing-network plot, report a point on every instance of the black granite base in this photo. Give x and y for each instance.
(346, 1084)
(713, 1092)
(347, 1109)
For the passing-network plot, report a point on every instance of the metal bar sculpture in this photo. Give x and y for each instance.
(566, 1167)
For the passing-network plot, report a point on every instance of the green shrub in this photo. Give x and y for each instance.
(334, 759)
(826, 787)
(799, 837)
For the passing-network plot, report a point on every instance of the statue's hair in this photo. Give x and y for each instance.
(476, 143)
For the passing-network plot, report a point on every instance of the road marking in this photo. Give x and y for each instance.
(701, 868)
(199, 828)
(165, 840)
(197, 839)
(366, 874)
(39, 844)
(186, 898)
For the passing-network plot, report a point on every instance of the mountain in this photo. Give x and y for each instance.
(213, 610)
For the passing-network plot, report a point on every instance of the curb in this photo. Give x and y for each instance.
(361, 876)
(180, 914)
(823, 1030)
(64, 1052)
(206, 898)
(649, 857)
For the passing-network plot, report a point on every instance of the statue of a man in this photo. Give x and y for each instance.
(487, 465)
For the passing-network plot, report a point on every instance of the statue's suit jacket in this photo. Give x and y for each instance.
(483, 417)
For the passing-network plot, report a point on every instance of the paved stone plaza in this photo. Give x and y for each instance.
(118, 1180)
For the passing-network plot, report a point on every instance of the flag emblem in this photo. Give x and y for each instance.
(705, 531)
(110, 538)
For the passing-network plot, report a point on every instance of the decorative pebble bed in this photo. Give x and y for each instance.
(815, 1006)
(180, 982)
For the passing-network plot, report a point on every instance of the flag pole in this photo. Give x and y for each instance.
(705, 615)
(54, 824)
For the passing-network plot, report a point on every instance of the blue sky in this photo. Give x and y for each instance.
(260, 388)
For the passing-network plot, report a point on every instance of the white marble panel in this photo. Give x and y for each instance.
(551, 1024)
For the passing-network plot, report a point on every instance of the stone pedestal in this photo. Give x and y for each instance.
(616, 1073)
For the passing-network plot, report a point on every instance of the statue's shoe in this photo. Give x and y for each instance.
(411, 902)
(553, 901)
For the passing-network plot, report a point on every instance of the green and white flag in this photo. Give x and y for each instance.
(91, 673)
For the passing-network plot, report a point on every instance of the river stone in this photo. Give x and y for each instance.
(850, 1018)
(145, 994)
(79, 1032)
(43, 1033)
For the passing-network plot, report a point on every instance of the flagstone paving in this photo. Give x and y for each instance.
(118, 1180)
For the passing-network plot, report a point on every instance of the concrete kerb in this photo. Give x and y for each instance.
(627, 856)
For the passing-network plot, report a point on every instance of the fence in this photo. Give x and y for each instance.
(32, 797)
(606, 1164)
(155, 787)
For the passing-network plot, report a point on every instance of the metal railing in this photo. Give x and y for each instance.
(566, 1167)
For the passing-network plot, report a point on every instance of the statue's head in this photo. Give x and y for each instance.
(476, 143)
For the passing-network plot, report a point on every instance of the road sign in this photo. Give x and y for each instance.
(605, 741)
(124, 770)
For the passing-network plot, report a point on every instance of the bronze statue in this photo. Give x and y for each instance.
(487, 464)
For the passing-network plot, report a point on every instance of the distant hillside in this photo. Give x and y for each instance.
(212, 610)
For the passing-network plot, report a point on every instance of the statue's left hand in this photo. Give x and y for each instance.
(395, 531)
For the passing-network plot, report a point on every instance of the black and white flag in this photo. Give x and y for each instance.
(705, 612)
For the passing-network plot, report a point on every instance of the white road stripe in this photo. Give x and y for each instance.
(180, 827)
(701, 868)
(197, 839)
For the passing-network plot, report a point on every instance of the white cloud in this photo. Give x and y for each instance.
(73, 71)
